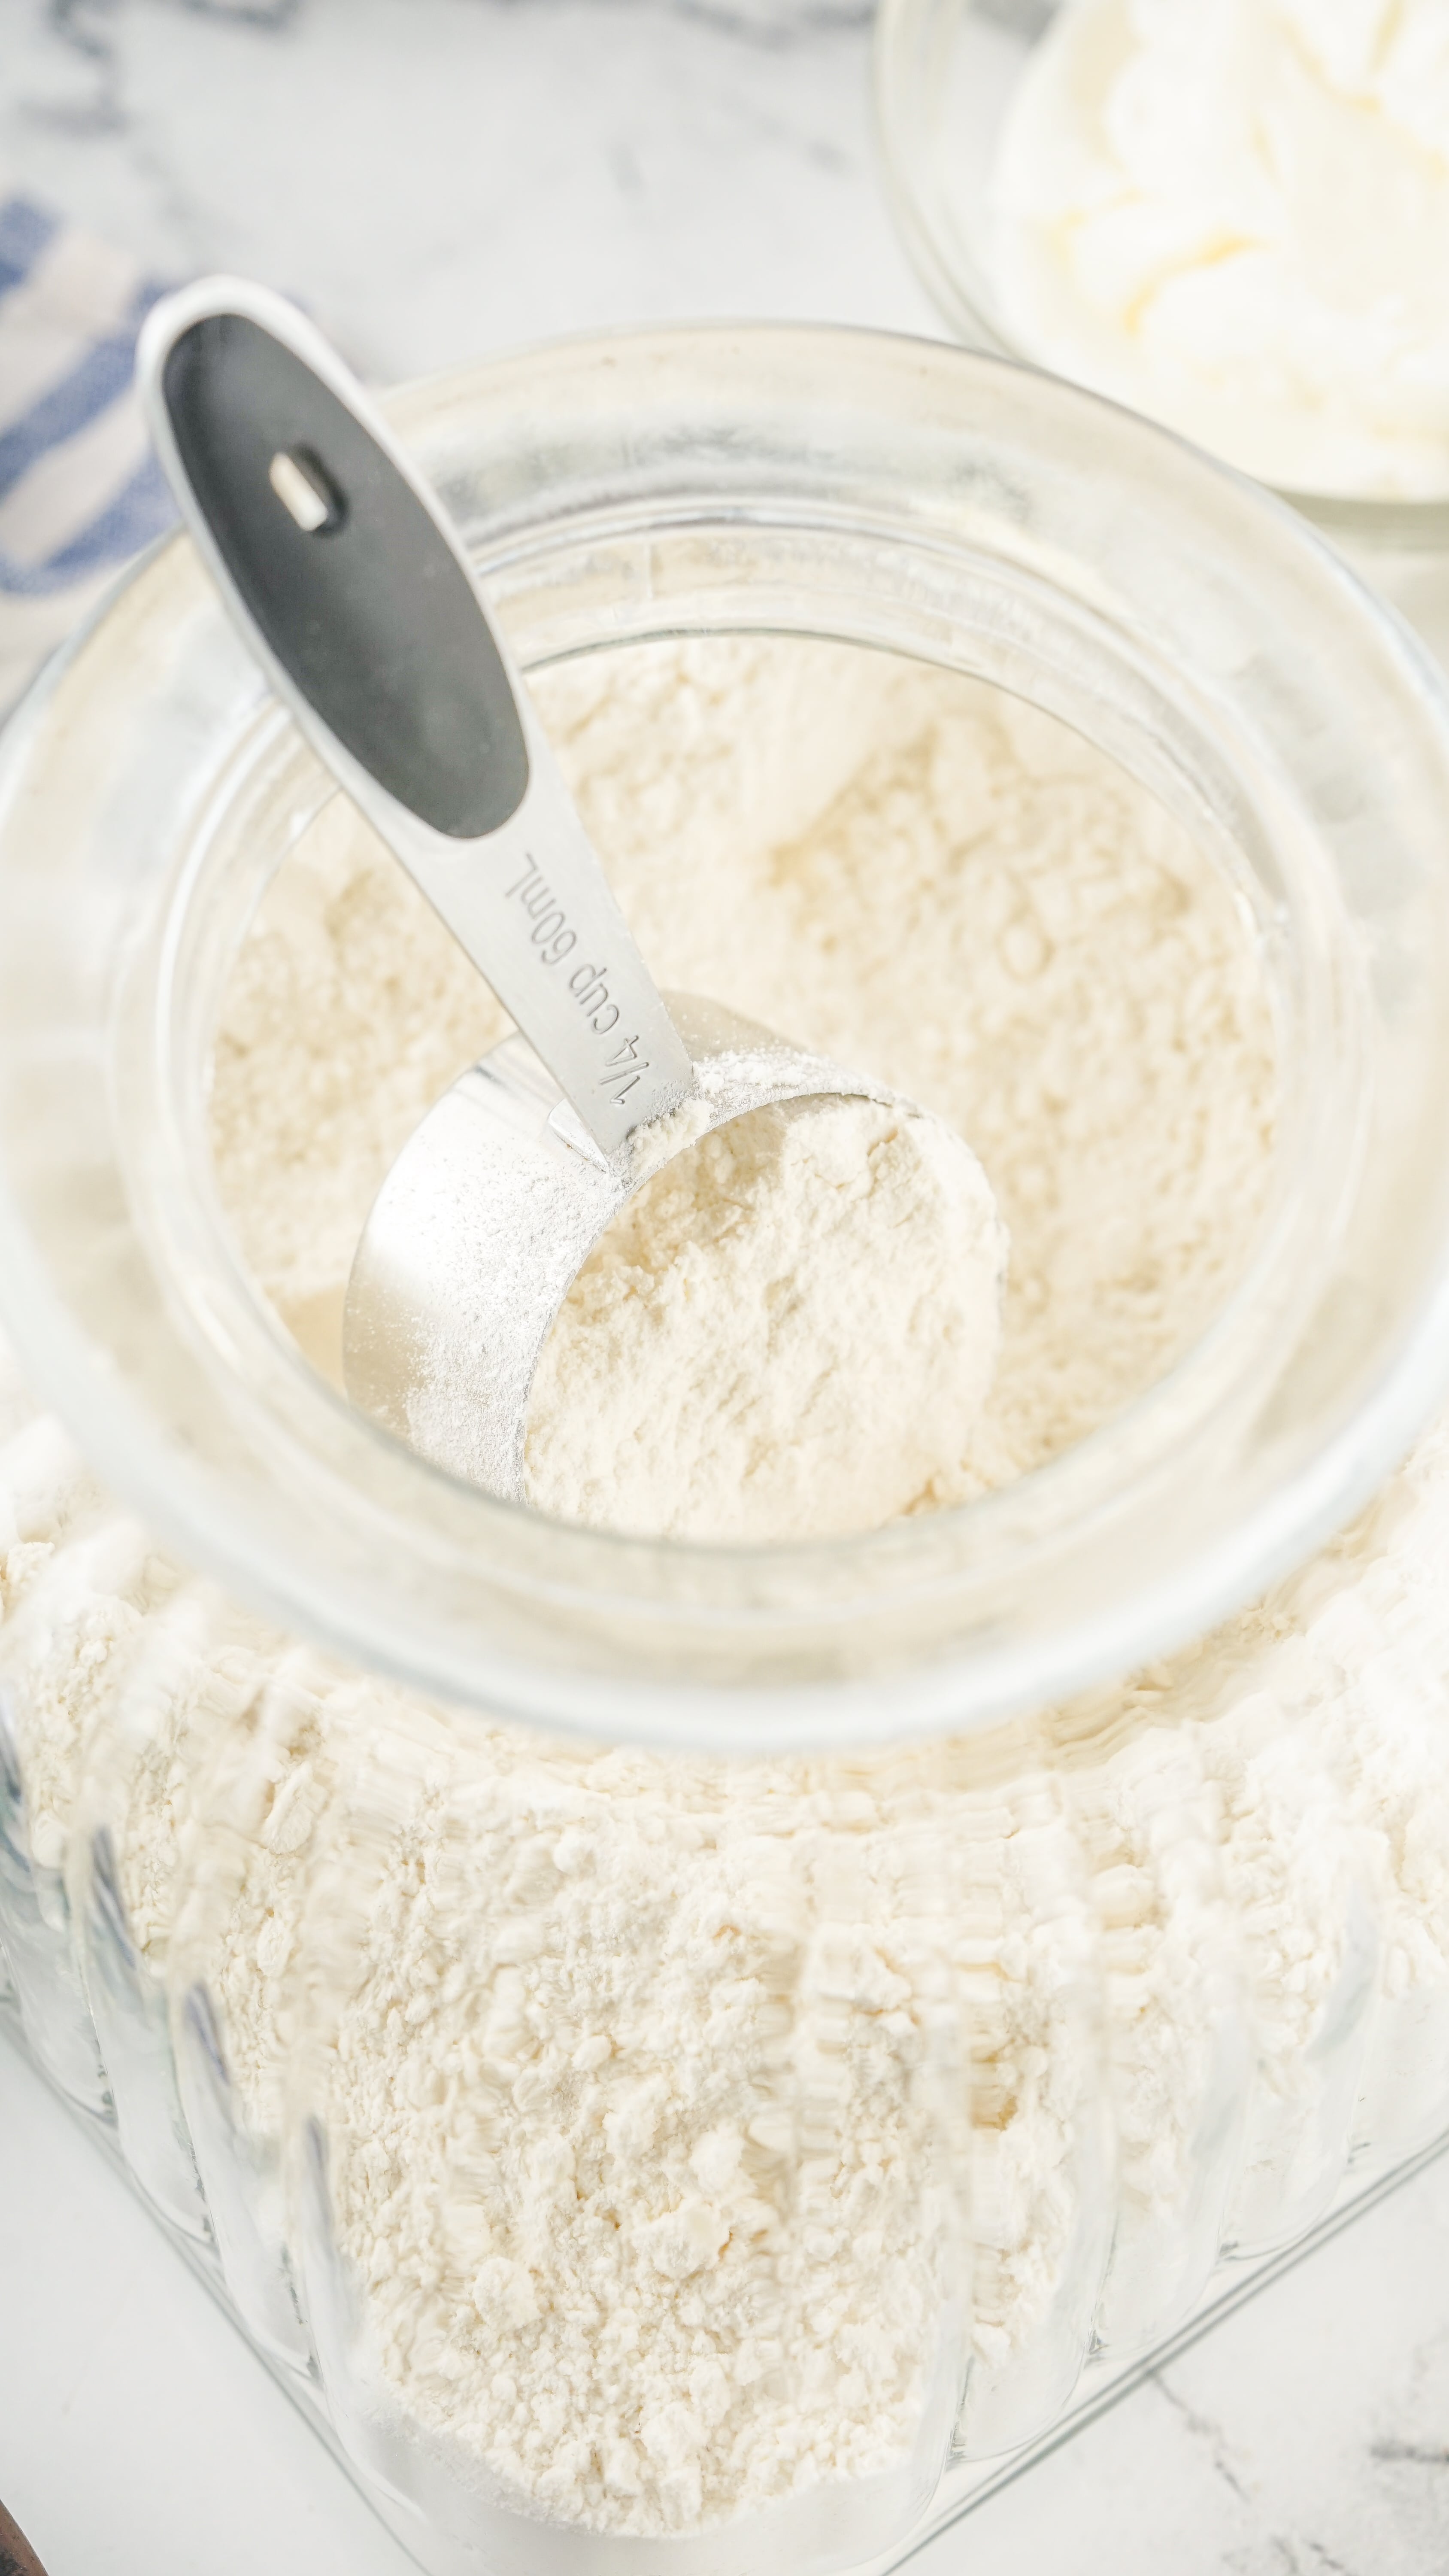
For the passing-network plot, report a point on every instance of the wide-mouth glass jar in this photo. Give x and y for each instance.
(880, 492)
(947, 76)
(341, 1948)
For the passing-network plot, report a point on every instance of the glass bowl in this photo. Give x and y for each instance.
(946, 72)
(882, 491)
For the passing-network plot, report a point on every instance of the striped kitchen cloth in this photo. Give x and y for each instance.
(80, 491)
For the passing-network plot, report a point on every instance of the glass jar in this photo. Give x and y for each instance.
(941, 1915)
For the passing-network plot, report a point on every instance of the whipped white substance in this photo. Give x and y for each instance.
(791, 1328)
(1234, 215)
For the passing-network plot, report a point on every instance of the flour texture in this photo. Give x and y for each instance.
(640, 2162)
(676, 2109)
(790, 1330)
(903, 869)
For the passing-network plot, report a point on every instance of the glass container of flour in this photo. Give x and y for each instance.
(1232, 218)
(674, 2038)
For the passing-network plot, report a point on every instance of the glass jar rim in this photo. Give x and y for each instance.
(840, 451)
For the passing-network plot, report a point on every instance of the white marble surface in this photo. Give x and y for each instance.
(442, 177)
(439, 178)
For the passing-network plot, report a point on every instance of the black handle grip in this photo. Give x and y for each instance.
(348, 576)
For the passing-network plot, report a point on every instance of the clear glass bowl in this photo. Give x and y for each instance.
(873, 490)
(945, 75)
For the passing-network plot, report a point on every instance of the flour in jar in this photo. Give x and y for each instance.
(862, 854)
(904, 869)
(668, 2243)
(566, 2017)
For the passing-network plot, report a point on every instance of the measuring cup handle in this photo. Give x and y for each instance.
(351, 588)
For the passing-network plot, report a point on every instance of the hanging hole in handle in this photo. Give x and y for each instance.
(306, 491)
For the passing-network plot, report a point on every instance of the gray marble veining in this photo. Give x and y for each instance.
(1308, 2436)
(439, 177)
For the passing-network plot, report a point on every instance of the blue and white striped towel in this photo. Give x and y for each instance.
(80, 491)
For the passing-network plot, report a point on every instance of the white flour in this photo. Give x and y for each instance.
(632, 2154)
(899, 867)
(633, 2070)
(791, 1328)
(75, 1602)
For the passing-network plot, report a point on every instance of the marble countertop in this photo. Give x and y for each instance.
(438, 179)
(442, 178)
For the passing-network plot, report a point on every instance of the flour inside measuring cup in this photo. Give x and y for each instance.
(792, 1328)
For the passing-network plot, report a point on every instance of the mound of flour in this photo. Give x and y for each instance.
(791, 1328)
(629, 2072)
